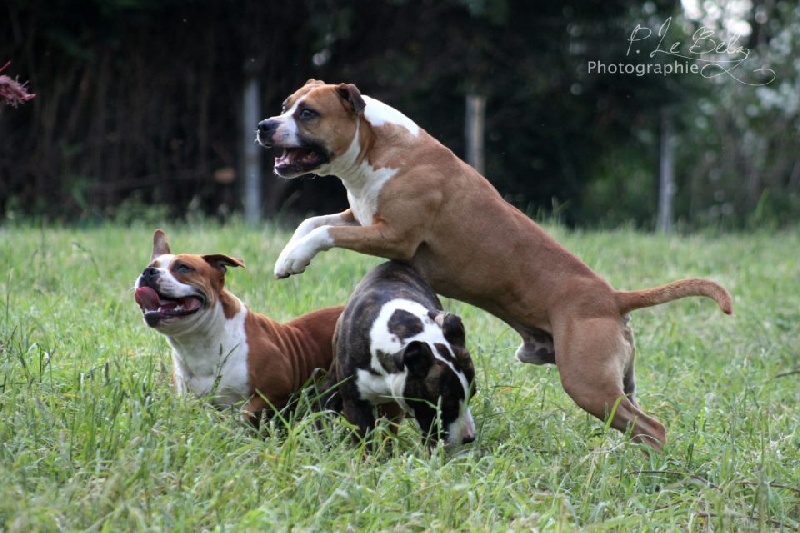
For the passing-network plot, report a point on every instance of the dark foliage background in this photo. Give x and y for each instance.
(139, 102)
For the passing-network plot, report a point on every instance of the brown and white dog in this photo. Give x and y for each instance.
(412, 199)
(221, 348)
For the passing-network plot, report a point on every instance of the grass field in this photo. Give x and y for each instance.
(92, 437)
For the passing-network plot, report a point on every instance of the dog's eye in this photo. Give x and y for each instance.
(183, 269)
(307, 114)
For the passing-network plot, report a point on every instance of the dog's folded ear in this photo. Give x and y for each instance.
(350, 94)
(453, 329)
(417, 357)
(222, 261)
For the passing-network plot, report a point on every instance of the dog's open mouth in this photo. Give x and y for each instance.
(298, 161)
(157, 307)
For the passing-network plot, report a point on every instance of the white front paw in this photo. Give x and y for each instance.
(297, 254)
(291, 261)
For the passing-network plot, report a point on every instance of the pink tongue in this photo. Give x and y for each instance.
(147, 298)
(190, 304)
(295, 154)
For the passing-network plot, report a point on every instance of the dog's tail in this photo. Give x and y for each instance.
(631, 300)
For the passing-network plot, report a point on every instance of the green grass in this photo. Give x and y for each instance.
(92, 437)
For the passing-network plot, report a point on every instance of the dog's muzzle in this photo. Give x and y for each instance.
(299, 157)
(158, 307)
(266, 131)
(149, 277)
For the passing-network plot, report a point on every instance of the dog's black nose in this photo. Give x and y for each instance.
(468, 439)
(266, 129)
(267, 126)
(149, 275)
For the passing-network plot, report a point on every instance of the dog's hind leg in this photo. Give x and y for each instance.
(595, 366)
(629, 378)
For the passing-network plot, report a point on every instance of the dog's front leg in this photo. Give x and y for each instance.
(308, 240)
(298, 253)
(360, 414)
(378, 239)
(345, 218)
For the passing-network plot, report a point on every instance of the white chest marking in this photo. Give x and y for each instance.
(382, 389)
(363, 183)
(364, 200)
(212, 358)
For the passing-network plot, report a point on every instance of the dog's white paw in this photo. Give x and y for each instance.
(292, 260)
(298, 253)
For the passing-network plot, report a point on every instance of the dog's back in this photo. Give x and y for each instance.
(386, 282)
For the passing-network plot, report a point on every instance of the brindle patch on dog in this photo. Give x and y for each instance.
(404, 324)
(444, 351)
(388, 361)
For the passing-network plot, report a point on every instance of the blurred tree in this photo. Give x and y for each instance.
(741, 156)
(139, 99)
(549, 120)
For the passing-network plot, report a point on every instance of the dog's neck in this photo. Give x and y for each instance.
(211, 335)
(352, 167)
(363, 179)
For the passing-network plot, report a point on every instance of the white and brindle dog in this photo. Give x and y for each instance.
(412, 199)
(219, 346)
(397, 350)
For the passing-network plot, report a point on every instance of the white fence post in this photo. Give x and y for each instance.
(666, 175)
(251, 114)
(474, 127)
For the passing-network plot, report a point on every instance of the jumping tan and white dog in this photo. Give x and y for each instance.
(412, 199)
(220, 347)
